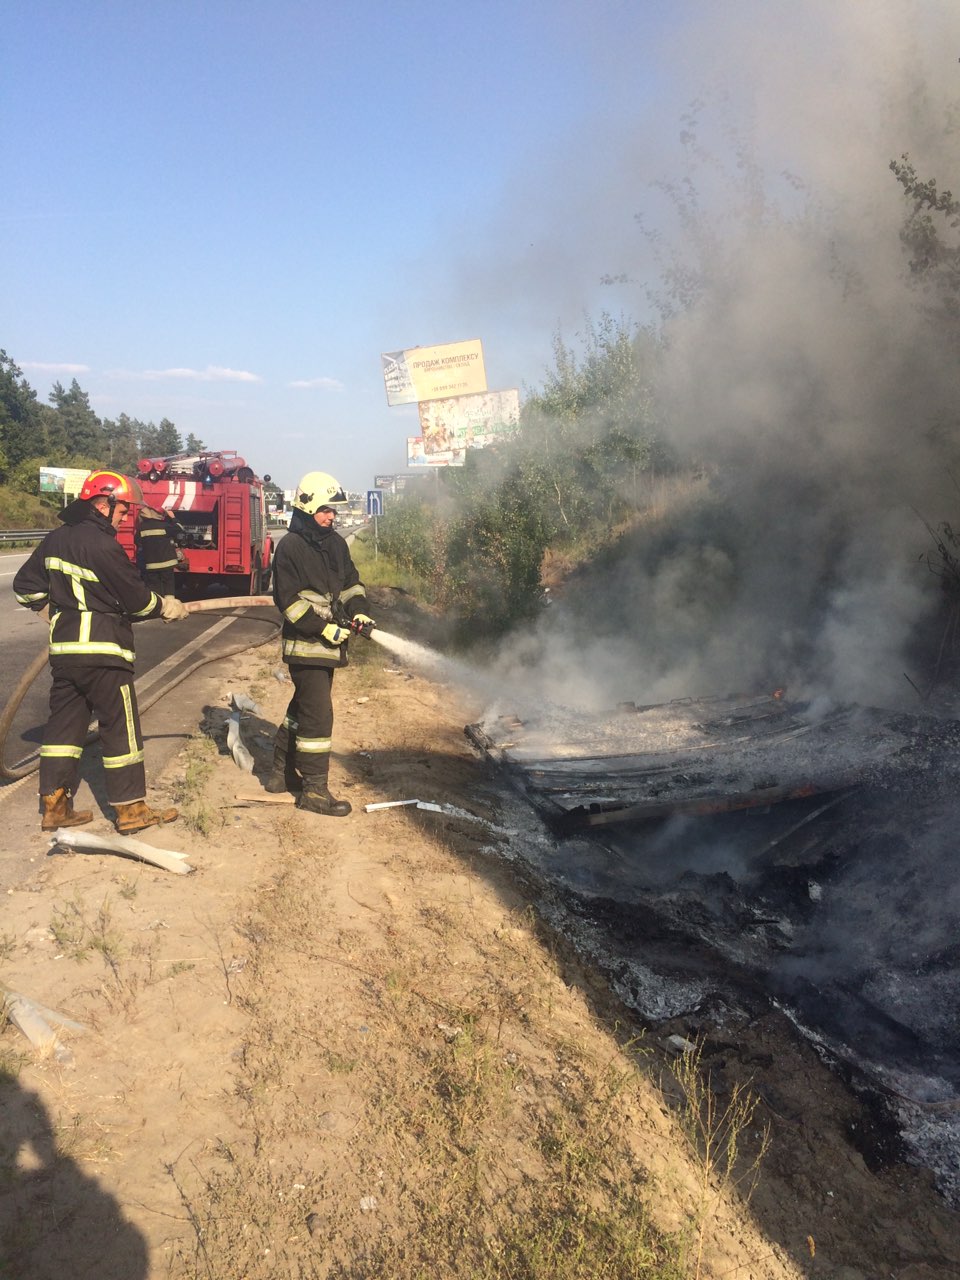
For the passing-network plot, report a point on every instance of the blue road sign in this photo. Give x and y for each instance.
(374, 502)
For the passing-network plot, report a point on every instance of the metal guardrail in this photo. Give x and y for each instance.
(22, 535)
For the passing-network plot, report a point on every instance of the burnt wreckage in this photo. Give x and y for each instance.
(753, 849)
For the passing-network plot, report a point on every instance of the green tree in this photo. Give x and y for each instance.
(21, 426)
(160, 442)
(76, 426)
(570, 473)
(931, 234)
(122, 442)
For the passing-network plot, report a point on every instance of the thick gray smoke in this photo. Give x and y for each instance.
(809, 374)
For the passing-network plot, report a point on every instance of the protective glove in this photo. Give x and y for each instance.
(362, 624)
(172, 609)
(334, 634)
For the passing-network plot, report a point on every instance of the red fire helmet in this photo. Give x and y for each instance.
(110, 484)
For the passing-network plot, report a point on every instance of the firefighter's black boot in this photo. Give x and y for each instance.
(283, 775)
(316, 798)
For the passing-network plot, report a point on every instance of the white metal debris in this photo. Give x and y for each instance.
(166, 859)
(34, 1021)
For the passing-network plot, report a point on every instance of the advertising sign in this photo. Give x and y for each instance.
(448, 428)
(428, 373)
(65, 480)
(385, 482)
(417, 455)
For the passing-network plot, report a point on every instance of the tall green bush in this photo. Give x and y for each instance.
(564, 479)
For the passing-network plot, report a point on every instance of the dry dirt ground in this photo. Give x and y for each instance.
(351, 1048)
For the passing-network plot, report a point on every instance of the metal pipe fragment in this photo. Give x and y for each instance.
(33, 1020)
(80, 841)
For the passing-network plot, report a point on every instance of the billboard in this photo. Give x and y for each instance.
(65, 480)
(428, 373)
(449, 427)
(417, 455)
(384, 482)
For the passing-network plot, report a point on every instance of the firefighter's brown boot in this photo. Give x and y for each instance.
(58, 811)
(316, 798)
(138, 815)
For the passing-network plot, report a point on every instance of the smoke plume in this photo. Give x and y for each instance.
(807, 370)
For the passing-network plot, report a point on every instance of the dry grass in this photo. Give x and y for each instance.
(404, 1125)
(197, 812)
(414, 1104)
(716, 1126)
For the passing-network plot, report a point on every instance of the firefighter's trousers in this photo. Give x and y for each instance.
(77, 696)
(304, 736)
(162, 581)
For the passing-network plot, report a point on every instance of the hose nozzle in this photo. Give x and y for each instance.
(361, 625)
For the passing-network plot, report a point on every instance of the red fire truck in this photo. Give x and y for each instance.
(219, 503)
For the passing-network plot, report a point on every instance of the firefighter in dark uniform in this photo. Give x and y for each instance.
(81, 574)
(315, 582)
(158, 537)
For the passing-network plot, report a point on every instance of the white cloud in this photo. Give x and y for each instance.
(323, 384)
(42, 366)
(212, 373)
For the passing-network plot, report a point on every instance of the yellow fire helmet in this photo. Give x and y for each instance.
(317, 490)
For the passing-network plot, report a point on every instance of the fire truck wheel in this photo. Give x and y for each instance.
(256, 577)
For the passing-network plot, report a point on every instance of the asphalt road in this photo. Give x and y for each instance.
(165, 652)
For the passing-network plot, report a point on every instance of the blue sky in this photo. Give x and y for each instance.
(222, 213)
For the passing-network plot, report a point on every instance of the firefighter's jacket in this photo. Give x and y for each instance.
(156, 536)
(314, 580)
(93, 591)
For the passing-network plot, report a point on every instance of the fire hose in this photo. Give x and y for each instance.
(13, 772)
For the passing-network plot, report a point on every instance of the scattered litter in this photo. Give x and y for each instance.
(235, 744)
(814, 890)
(264, 797)
(166, 859)
(360, 701)
(679, 1044)
(449, 1033)
(243, 702)
(369, 1204)
(282, 675)
(393, 671)
(428, 806)
(34, 1020)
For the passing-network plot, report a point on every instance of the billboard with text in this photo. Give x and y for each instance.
(65, 480)
(428, 373)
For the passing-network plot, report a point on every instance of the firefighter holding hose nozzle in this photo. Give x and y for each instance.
(80, 574)
(318, 590)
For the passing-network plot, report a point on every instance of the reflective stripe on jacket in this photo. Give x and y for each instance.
(312, 572)
(156, 537)
(93, 591)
